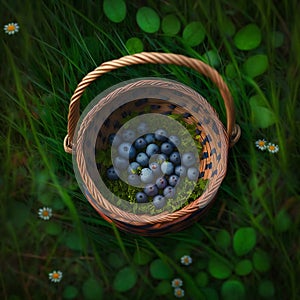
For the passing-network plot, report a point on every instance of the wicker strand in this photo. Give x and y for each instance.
(233, 130)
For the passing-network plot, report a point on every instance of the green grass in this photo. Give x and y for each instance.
(61, 41)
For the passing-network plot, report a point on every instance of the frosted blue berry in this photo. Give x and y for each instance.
(146, 175)
(142, 128)
(140, 143)
(180, 171)
(159, 201)
(188, 159)
(112, 174)
(142, 159)
(128, 135)
(193, 173)
(175, 158)
(161, 182)
(151, 190)
(169, 191)
(134, 179)
(173, 180)
(167, 167)
(126, 150)
(113, 138)
(152, 149)
(166, 148)
(132, 168)
(120, 163)
(149, 138)
(161, 135)
(141, 197)
(160, 158)
(155, 167)
(175, 140)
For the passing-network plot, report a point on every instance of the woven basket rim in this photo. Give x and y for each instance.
(213, 183)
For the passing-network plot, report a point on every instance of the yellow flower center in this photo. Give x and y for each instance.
(178, 293)
(261, 143)
(55, 275)
(186, 260)
(45, 213)
(11, 27)
(272, 148)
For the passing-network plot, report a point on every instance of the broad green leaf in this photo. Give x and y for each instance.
(218, 269)
(243, 267)
(244, 240)
(201, 263)
(266, 289)
(53, 228)
(134, 45)
(92, 289)
(230, 71)
(233, 290)
(125, 279)
(277, 39)
(70, 292)
(148, 20)
(212, 58)
(256, 65)
(202, 279)
(141, 257)
(74, 242)
(170, 25)
(282, 221)
(160, 270)
(210, 294)
(116, 260)
(163, 288)
(228, 28)
(262, 116)
(247, 38)
(223, 239)
(193, 34)
(115, 10)
(261, 261)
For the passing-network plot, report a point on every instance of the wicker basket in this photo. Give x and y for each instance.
(164, 97)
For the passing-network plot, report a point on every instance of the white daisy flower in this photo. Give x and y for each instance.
(273, 148)
(178, 292)
(45, 213)
(11, 28)
(261, 144)
(177, 282)
(186, 260)
(55, 276)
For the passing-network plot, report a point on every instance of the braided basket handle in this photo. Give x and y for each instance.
(233, 130)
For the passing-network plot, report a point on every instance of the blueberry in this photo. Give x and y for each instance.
(146, 175)
(175, 158)
(159, 201)
(155, 167)
(132, 168)
(188, 159)
(151, 190)
(150, 138)
(152, 149)
(175, 140)
(161, 158)
(141, 197)
(142, 159)
(142, 128)
(128, 135)
(192, 174)
(126, 150)
(169, 191)
(166, 148)
(161, 135)
(113, 138)
(173, 180)
(167, 167)
(180, 171)
(134, 179)
(120, 163)
(161, 182)
(112, 174)
(140, 143)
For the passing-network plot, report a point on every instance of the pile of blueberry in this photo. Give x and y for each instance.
(151, 162)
